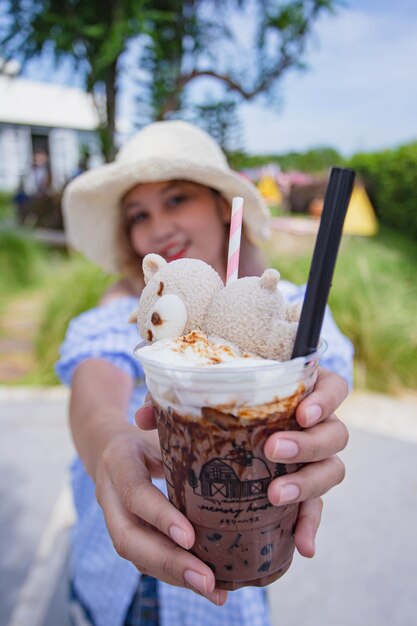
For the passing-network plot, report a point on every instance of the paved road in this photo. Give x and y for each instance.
(365, 569)
(35, 450)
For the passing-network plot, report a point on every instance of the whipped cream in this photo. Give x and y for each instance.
(195, 371)
(198, 350)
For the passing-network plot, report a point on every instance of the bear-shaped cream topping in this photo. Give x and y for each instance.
(188, 295)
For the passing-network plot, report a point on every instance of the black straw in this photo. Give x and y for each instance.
(336, 202)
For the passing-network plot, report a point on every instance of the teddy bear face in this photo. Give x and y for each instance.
(176, 297)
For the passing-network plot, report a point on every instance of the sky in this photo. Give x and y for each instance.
(358, 94)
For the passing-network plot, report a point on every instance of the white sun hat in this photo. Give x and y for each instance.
(168, 150)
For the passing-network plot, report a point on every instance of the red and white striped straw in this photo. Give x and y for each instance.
(234, 239)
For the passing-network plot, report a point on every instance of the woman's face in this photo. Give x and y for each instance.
(177, 219)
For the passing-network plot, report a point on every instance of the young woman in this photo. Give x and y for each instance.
(169, 191)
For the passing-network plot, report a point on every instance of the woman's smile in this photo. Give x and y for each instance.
(175, 251)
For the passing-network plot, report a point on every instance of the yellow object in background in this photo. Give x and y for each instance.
(269, 190)
(360, 217)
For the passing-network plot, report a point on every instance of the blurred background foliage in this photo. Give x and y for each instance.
(390, 177)
(78, 288)
(316, 160)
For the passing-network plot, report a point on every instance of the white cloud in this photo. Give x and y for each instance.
(359, 93)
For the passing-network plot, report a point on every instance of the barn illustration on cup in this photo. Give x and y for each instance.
(238, 475)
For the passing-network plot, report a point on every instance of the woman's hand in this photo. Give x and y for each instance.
(324, 436)
(145, 528)
(317, 446)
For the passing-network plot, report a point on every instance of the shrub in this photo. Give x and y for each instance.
(316, 160)
(21, 260)
(6, 206)
(78, 289)
(390, 178)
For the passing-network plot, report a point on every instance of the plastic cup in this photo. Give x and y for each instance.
(213, 422)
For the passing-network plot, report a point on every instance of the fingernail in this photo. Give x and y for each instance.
(217, 597)
(284, 449)
(178, 535)
(196, 580)
(313, 414)
(288, 493)
(221, 597)
(147, 404)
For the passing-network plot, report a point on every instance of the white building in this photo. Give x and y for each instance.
(60, 120)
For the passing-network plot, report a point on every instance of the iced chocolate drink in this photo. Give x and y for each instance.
(215, 409)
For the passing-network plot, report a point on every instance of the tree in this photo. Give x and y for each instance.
(220, 120)
(181, 41)
(93, 33)
(200, 44)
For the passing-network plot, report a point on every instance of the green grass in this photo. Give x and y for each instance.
(21, 261)
(6, 206)
(22, 265)
(76, 287)
(67, 284)
(25, 265)
(373, 299)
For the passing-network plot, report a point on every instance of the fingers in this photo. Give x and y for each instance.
(310, 445)
(329, 392)
(154, 554)
(140, 498)
(137, 514)
(307, 525)
(311, 481)
(145, 416)
(317, 446)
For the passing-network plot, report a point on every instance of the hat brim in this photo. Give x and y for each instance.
(91, 202)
